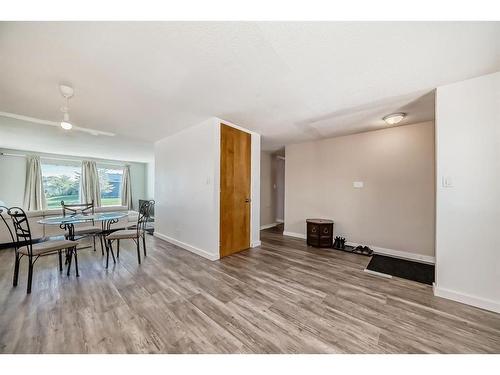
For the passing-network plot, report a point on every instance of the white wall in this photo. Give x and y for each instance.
(267, 195)
(279, 191)
(468, 212)
(13, 176)
(12, 179)
(186, 210)
(24, 135)
(187, 188)
(272, 189)
(150, 180)
(394, 211)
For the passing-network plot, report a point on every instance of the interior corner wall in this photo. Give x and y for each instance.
(267, 191)
(468, 192)
(279, 192)
(394, 212)
(255, 191)
(187, 188)
(13, 175)
(150, 180)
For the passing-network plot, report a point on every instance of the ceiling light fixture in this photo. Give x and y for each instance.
(67, 92)
(394, 118)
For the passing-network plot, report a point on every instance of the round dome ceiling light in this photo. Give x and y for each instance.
(65, 124)
(67, 92)
(394, 118)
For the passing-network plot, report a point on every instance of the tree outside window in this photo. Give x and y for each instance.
(110, 183)
(61, 182)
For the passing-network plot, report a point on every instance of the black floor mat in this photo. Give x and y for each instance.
(406, 269)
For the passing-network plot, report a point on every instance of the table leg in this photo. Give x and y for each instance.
(76, 262)
(60, 261)
(69, 252)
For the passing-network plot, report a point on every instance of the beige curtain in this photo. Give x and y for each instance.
(34, 195)
(126, 188)
(89, 183)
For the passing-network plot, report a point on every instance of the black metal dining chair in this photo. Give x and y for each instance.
(24, 246)
(3, 211)
(134, 234)
(84, 209)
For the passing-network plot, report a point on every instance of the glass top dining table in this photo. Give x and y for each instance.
(68, 222)
(82, 218)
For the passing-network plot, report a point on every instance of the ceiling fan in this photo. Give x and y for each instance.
(67, 92)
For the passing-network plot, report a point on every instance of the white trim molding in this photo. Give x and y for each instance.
(185, 246)
(279, 221)
(380, 274)
(399, 254)
(381, 250)
(293, 234)
(267, 226)
(255, 244)
(468, 299)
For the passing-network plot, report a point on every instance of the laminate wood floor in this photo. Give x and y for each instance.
(282, 297)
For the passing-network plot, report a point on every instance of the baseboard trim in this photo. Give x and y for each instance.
(267, 226)
(468, 299)
(279, 221)
(380, 250)
(255, 244)
(293, 234)
(398, 254)
(379, 274)
(185, 246)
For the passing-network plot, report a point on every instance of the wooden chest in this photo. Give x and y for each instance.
(319, 232)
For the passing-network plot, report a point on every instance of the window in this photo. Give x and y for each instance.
(61, 182)
(110, 181)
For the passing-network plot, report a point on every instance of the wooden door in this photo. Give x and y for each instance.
(234, 190)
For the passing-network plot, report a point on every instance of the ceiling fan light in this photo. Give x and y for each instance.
(394, 118)
(66, 125)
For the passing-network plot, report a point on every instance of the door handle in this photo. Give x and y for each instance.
(247, 200)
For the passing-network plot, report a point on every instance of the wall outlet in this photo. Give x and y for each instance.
(358, 184)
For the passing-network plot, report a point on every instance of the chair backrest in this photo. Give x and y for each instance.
(144, 212)
(3, 211)
(21, 228)
(78, 208)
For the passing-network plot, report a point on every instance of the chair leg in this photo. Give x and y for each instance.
(76, 262)
(138, 252)
(16, 270)
(107, 254)
(94, 243)
(30, 275)
(70, 252)
(112, 252)
(144, 243)
(60, 261)
(102, 245)
(117, 249)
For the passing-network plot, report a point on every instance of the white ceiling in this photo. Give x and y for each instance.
(22, 135)
(288, 81)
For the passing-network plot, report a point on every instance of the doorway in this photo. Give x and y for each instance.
(279, 188)
(235, 179)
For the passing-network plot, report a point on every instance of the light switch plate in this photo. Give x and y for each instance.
(447, 182)
(358, 184)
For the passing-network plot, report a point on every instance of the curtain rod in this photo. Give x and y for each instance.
(62, 159)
